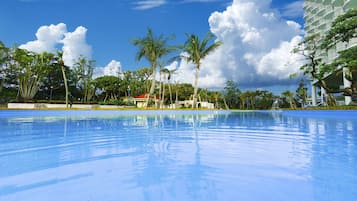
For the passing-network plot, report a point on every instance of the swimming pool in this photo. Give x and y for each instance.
(178, 155)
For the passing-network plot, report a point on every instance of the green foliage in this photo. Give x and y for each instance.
(83, 70)
(153, 49)
(258, 99)
(110, 86)
(264, 100)
(31, 70)
(110, 102)
(185, 91)
(232, 94)
(343, 29)
(289, 96)
(309, 49)
(301, 93)
(197, 50)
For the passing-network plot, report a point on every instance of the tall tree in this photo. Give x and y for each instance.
(232, 93)
(301, 93)
(290, 97)
(145, 74)
(60, 63)
(310, 49)
(343, 30)
(197, 50)
(84, 71)
(348, 58)
(4, 60)
(110, 85)
(153, 49)
(33, 67)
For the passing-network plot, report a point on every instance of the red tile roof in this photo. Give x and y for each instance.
(145, 96)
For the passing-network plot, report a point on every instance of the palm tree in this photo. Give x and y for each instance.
(196, 51)
(152, 48)
(167, 75)
(290, 97)
(60, 62)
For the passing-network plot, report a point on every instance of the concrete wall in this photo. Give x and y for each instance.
(58, 106)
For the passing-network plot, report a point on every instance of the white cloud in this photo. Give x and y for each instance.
(74, 43)
(47, 38)
(256, 50)
(148, 4)
(113, 68)
(282, 59)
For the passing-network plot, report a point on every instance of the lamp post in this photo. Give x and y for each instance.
(51, 92)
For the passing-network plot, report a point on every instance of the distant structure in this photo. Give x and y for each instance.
(318, 15)
(140, 101)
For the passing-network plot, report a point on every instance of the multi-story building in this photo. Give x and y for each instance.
(318, 15)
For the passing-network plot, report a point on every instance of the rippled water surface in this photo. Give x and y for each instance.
(178, 156)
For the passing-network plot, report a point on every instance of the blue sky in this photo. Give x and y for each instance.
(109, 25)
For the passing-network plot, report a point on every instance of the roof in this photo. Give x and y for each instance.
(142, 96)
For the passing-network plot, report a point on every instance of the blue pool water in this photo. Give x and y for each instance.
(178, 156)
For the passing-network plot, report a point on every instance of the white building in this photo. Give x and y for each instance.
(318, 15)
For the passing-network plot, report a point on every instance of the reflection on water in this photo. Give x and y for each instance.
(182, 156)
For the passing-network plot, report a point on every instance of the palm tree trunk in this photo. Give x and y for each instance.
(152, 88)
(176, 101)
(170, 93)
(160, 88)
(225, 103)
(65, 84)
(163, 95)
(194, 105)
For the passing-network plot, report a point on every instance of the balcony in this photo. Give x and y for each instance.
(350, 4)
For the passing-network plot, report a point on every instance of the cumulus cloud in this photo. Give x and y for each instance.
(74, 43)
(113, 68)
(256, 50)
(148, 4)
(47, 38)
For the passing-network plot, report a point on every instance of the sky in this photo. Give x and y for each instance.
(257, 35)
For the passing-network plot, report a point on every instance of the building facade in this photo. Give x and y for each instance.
(319, 15)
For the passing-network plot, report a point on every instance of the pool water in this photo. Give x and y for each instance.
(178, 155)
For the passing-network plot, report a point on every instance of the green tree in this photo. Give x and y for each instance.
(33, 67)
(144, 74)
(184, 91)
(314, 67)
(264, 100)
(343, 29)
(301, 93)
(60, 64)
(290, 98)
(348, 59)
(153, 49)
(52, 87)
(83, 69)
(4, 61)
(110, 85)
(197, 50)
(232, 94)
(217, 97)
